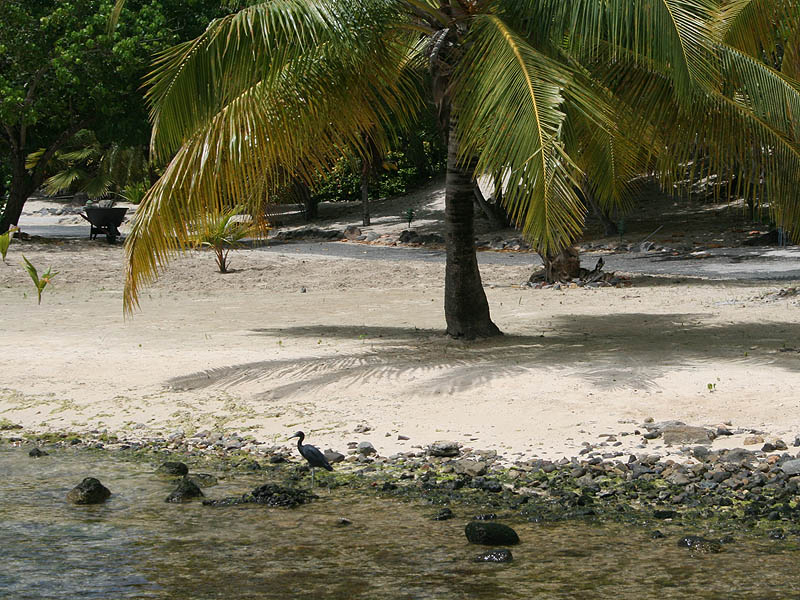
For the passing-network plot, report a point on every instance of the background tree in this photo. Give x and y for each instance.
(61, 71)
(529, 89)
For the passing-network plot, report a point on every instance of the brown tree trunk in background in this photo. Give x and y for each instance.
(365, 170)
(465, 306)
(22, 186)
(564, 266)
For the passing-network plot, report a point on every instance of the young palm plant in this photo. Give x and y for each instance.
(543, 92)
(222, 234)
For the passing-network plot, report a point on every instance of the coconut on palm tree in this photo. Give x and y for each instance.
(544, 95)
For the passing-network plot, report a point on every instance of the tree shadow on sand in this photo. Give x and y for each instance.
(612, 352)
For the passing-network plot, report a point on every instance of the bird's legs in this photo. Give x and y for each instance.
(312, 478)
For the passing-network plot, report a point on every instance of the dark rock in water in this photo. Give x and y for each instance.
(268, 494)
(665, 514)
(495, 556)
(700, 544)
(36, 453)
(173, 468)
(186, 490)
(342, 522)
(776, 534)
(485, 517)
(490, 533)
(89, 491)
(202, 480)
(250, 464)
(657, 535)
(727, 539)
(387, 486)
(444, 515)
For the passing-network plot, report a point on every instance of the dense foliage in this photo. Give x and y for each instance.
(62, 70)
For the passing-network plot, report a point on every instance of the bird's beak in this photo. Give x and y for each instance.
(291, 438)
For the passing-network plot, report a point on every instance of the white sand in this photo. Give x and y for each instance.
(255, 356)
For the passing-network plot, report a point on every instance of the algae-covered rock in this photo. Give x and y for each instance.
(490, 533)
(186, 490)
(268, 494)
(88, 491)
(700, 544)
(172, 468)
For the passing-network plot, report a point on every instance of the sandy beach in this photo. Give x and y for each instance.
(250, 352)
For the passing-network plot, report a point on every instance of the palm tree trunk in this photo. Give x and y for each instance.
(465, 306)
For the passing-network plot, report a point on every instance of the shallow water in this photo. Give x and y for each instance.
(137, 546)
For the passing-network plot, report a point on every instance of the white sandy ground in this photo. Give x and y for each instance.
(254, 355)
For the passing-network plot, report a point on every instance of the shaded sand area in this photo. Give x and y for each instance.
(248, 352)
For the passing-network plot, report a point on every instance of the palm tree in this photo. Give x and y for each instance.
(542, 92)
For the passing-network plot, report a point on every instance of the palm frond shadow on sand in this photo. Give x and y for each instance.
(627, 351)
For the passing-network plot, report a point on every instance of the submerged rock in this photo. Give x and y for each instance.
(495, 556)
(37, 452)
(202, 480)
(268, 494)
(686, 434)
(172, 468)
(700, 544)
(490, 533)
(186, 490)
(444, 515)
(89, 491)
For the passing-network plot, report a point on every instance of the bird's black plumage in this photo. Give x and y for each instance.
(312, 454)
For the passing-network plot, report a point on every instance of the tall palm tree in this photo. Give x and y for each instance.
(542, 91)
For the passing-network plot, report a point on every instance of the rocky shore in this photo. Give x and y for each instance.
(722, 491)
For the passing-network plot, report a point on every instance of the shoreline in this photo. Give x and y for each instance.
(719, 492)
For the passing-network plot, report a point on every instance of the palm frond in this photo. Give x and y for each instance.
(509, 105)
(292, 119)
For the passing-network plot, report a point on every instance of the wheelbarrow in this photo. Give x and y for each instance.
(105, 221)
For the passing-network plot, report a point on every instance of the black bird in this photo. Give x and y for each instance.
(312, 454)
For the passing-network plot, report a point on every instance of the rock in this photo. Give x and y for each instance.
(444, 448)
(202, 480)
(89, 491)
(268, 494)
(372, 236)
(37, 452)
(342, 522)
(490, 485)
(500, 555)
(444, 515)
(366, 449)
(738, 455)
(334, 457)
(678, 478)
(485, 517)
(186, 490)
(403, 438)
(472, 468)
(173, 468)
(651, 435)
(664, 514)
(699, 544)
(791, 467)
(352, 232)
(490, 533)
(686, 434)
(408, 236)
(657, 535)
(796, 441)
(362, 428)
(753, 440)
